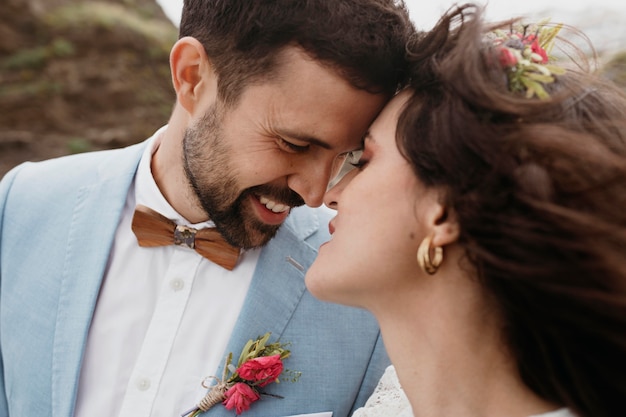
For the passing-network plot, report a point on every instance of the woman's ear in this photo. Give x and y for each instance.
(192, 74)
(443, 223)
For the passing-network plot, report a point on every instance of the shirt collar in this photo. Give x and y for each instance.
(147, 192)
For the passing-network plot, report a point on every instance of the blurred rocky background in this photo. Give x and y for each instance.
(81, 75)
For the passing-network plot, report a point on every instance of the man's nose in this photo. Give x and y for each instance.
(311, 181)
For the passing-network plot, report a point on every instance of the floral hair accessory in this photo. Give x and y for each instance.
(523, 52)
(259, 365)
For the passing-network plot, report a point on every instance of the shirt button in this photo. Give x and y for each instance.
(177, 284)
(143, 384)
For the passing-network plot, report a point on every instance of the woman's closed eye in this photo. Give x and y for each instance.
(355, 158)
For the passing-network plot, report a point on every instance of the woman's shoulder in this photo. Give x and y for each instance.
(388, 399)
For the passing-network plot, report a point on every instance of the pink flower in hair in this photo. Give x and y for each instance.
(507, 57)
(539, 51)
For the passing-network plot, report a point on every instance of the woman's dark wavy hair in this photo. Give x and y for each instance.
(539, 190)
(364, 40)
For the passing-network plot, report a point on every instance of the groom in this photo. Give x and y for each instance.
(99, 318)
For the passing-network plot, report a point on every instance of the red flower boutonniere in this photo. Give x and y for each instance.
(259, 365)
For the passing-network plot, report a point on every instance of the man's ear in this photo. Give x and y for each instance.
(192, 74)
(443, 223)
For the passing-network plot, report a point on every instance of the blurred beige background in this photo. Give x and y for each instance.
(80, 75)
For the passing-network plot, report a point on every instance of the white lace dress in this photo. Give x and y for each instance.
(389, 400)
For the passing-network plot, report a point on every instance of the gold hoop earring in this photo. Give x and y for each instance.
(428, 264)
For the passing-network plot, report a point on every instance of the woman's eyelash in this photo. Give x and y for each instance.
(358, 164)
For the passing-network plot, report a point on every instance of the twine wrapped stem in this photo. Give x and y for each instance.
(214, 396)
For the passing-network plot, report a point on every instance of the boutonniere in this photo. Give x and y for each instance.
(260, 364)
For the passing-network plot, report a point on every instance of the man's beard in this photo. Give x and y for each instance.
(209, 172)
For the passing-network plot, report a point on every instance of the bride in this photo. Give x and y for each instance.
(485, 228)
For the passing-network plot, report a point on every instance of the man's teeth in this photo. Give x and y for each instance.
(272, 205)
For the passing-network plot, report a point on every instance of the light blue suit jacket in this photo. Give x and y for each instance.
(57, 224)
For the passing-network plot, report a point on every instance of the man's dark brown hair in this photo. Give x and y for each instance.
(363, 40)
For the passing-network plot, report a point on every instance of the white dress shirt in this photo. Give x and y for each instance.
(162, 321)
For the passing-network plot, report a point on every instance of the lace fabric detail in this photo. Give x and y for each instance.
(388, 399)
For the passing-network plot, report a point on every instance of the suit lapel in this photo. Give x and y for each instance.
(277, 285)
(94, 222)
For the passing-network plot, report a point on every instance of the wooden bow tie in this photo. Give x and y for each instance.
(153, 229)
